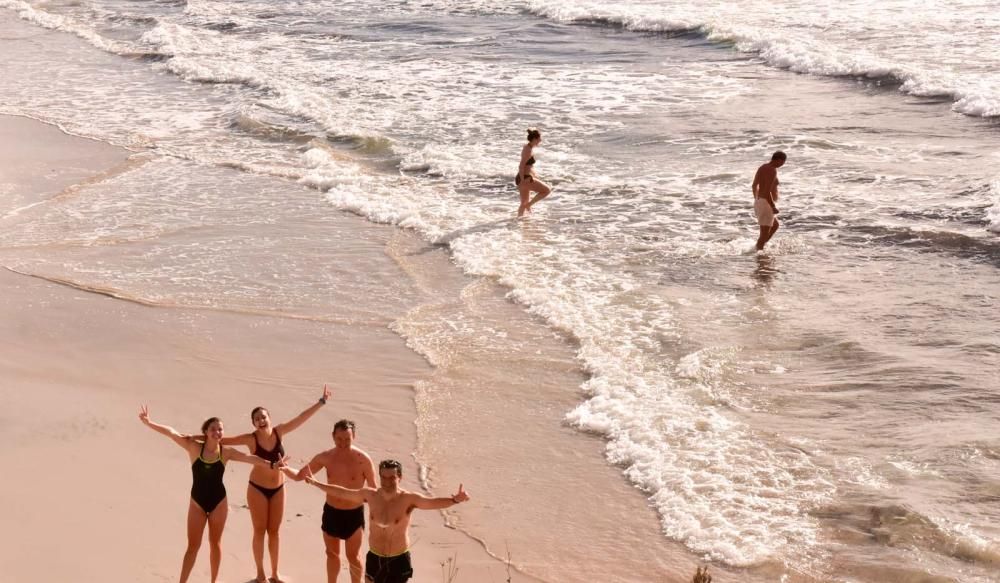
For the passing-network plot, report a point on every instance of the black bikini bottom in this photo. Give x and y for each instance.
(267, 492)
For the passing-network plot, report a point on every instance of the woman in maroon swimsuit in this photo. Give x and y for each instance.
(266, 490)
(208, 494)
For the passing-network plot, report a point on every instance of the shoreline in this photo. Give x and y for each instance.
(105, 356)
(622, 390)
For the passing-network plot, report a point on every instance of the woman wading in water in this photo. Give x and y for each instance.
(208, 493)
(526, 180)
(266, 490)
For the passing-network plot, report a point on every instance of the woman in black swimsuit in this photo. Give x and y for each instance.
(266, 490)
(208, 494)
(526, 180)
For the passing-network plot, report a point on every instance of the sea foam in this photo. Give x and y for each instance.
(802, 47)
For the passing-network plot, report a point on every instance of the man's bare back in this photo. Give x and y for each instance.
(765, 183)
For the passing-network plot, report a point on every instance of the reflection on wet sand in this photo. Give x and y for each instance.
(765, 271)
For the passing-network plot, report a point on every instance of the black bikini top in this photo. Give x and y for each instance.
(275, 455)
(530, 162)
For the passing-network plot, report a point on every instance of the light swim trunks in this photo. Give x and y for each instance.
(763, 211)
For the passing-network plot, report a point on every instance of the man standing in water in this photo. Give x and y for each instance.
(343, 518)
(765, 193)
(390, 508)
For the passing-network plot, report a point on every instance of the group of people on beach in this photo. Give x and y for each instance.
(350, 485)
(764, 187)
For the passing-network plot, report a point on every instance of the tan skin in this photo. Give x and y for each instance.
(266, 514)
(348, 467)
(529, 181)
(389, 507)
(765, 186)
(197, 518)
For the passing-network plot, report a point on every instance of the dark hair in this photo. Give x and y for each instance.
(255, 411)
(344, 425)
(209, 421)
(779, 155)
(386, 464)
(533, 134)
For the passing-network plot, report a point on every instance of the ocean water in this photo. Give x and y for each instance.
(822, 412)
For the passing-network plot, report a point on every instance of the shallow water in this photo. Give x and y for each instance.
(820, 412)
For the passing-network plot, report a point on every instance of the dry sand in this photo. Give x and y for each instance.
(92, 494)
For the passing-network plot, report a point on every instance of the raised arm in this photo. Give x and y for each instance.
(182, 439)
(425, 503)
(304, 416)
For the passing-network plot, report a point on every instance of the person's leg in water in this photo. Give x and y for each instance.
(216, 523)
(523, 189)
(195, 529)
(541, 189)
(765, 234)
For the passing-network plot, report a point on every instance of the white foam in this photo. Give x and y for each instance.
(993, 213)
(805, 41)
(717, 488)
(66, 24)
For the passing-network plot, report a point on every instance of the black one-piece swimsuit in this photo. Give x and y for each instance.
(207, 489)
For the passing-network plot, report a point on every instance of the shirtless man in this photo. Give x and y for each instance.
(390, 507)
(765, 193)
(343, 517)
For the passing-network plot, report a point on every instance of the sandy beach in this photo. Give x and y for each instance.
(101, 498)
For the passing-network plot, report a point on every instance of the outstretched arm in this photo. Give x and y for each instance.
(424, 503)
(245, 439)
(359, 496)
(309, 469)
(235, 454)
(304, 416)
(182, 439)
